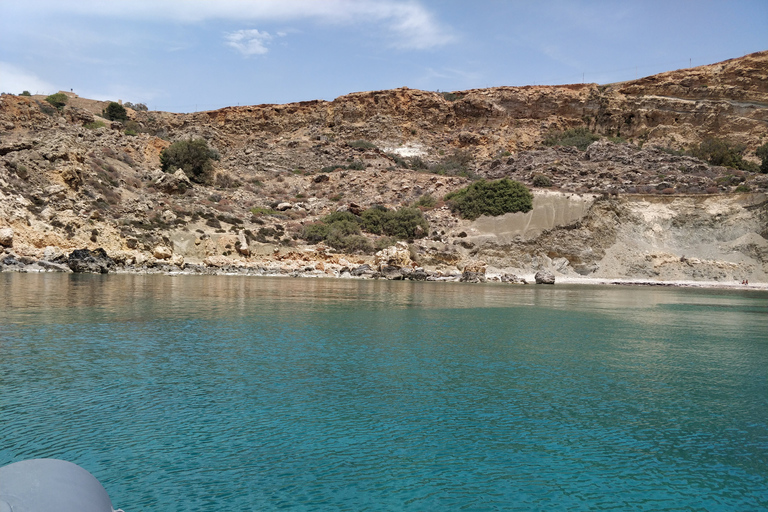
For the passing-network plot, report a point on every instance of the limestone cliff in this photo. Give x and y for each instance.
(625, 207)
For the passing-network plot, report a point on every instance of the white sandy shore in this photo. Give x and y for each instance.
(647, 282)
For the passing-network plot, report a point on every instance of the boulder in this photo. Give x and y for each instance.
(96, 261)
(512, 279)
(54, 254)
(544, 277)
(392, 273)
(361, 270)
(396, 255)
(355, 209)
(474, 272)
(162, 252)
(418, 274)
(176, 183)
(283, 207)
(178, 260)
(6, 237)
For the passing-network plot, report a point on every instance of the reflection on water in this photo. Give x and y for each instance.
(237, 393)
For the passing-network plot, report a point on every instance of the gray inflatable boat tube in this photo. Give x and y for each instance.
(45, 485)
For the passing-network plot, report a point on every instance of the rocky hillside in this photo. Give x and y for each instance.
(630, 205)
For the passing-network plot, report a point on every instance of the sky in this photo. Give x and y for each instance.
(192, 55)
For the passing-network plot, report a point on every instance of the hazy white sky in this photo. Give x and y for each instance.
(186, 55)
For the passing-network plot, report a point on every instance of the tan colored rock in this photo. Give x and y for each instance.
(396, 255)
(178, 260)
(162, 252)
(218, 261)
(242, 247)
(6, 237)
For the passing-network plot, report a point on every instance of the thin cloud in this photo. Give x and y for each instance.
(249, 42)
(407, 24)
(15, 80)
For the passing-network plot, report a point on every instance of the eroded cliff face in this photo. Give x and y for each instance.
(619, 209)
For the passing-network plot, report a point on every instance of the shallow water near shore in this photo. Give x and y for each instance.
(240, 393)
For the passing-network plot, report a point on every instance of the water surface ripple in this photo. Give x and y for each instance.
(232, 393)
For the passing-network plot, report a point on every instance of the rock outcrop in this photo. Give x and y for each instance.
(96, 261)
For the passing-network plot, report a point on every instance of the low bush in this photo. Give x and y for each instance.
(361, 144)
(418, 164)
(342, 230)
(194, 157)
(25, 93)
(721, 152)
(94, 125)
(542, 181)
(580, 138)
(58, 100)
(399, 161)
(426, 201)
(490, 198)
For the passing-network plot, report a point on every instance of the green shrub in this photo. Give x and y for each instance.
(762, 153)
(374, 219)
(25, 93)
(418, 164)
(58, 100)
(94, 125)
(258, 211)
(316, 232)
(115, 112)
(193, 157)
(406, 224)
(339, 216)
(490, 198)
(426, 201)
(399, 161)
(357, 165)
(403, 224)
(361, 144)
(342, 230)
(580, 138)
(723, 153)
(542, 181)
(743, 188)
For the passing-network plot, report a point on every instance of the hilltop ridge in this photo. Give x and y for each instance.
(65, 183)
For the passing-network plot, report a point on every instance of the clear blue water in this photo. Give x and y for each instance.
(236, 393)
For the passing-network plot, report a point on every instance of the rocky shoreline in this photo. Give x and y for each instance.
(98, 262)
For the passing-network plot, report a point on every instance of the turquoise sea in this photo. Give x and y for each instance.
(251, 393)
